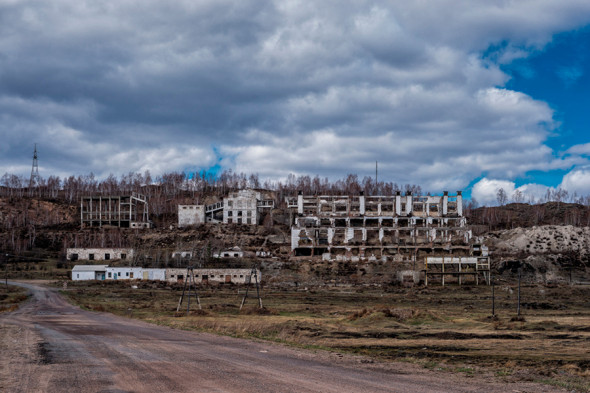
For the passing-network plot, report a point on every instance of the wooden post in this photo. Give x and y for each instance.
(518, 307)
(443, 271)
(493, 300)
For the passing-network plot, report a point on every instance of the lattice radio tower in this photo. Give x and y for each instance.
(35, 170)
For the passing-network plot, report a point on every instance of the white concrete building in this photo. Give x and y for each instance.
(241, 207)
(98, 254)
(154, 274)
(182, 254)
(89, 272)
(124, 273)
(190, 215)
(235, 252)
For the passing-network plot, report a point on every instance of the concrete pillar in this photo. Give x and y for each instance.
(300, 202)
(459, 204)
(362, 203)
(398, 203)
(445, 203)
(409, 203)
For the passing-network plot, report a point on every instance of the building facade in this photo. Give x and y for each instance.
(402, 226)
(99, 254)
(172, 275)
(89, 272)
(190, 215)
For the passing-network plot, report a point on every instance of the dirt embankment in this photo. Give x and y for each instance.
(545, 253)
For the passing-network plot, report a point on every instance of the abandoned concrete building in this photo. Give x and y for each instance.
(402, 228)
(173, 275)
(241, 207)
(234, 252)
(127, 211)
(219, 276)
(98, 254)
(190, 215)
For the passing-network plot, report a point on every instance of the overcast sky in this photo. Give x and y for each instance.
(450, 95)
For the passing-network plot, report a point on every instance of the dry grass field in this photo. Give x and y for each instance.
(449, 329)
(11, 297)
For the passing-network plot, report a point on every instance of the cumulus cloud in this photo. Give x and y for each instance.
(577, 181)
(486, 190)
(276, 87)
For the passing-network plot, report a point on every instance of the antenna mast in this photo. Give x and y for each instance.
(376, 179)
(34, 171)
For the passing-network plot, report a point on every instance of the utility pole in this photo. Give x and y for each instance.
(190, 279)
(253, 273)
(376, 179)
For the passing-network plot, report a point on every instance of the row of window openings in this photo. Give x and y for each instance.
(91, 256)
(180, 277)
(239, 213)
(205, 276)
(118, 274)
(239, 221)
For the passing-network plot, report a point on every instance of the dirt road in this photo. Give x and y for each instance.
(49, 345)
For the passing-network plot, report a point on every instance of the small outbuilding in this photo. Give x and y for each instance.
(89, 272)
(235, 252)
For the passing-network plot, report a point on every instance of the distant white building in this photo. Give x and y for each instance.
(190, 215)
(241, 207)
(235, 252)
(124, 273)
(98, 254)
(89, 272)
(182, 254)
(203, 276)
(219, 276)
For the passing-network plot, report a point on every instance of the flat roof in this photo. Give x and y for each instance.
(89, 268)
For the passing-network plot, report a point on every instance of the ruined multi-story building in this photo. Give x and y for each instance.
(125, 211)
(241, 207)
(403, 228)
(378, 225)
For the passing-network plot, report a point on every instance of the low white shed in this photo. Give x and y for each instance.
(89, 272)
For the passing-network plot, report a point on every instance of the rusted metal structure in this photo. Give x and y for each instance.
(127, 211)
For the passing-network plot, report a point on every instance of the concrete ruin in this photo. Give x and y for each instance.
(401, 228)
(98, 254)
(234, 252)
(190, 215)
(244, 206)
(127, 211)
(209, 276)
(172, 275)
(241, 207)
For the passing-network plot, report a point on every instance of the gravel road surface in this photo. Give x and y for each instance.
(49, 345)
